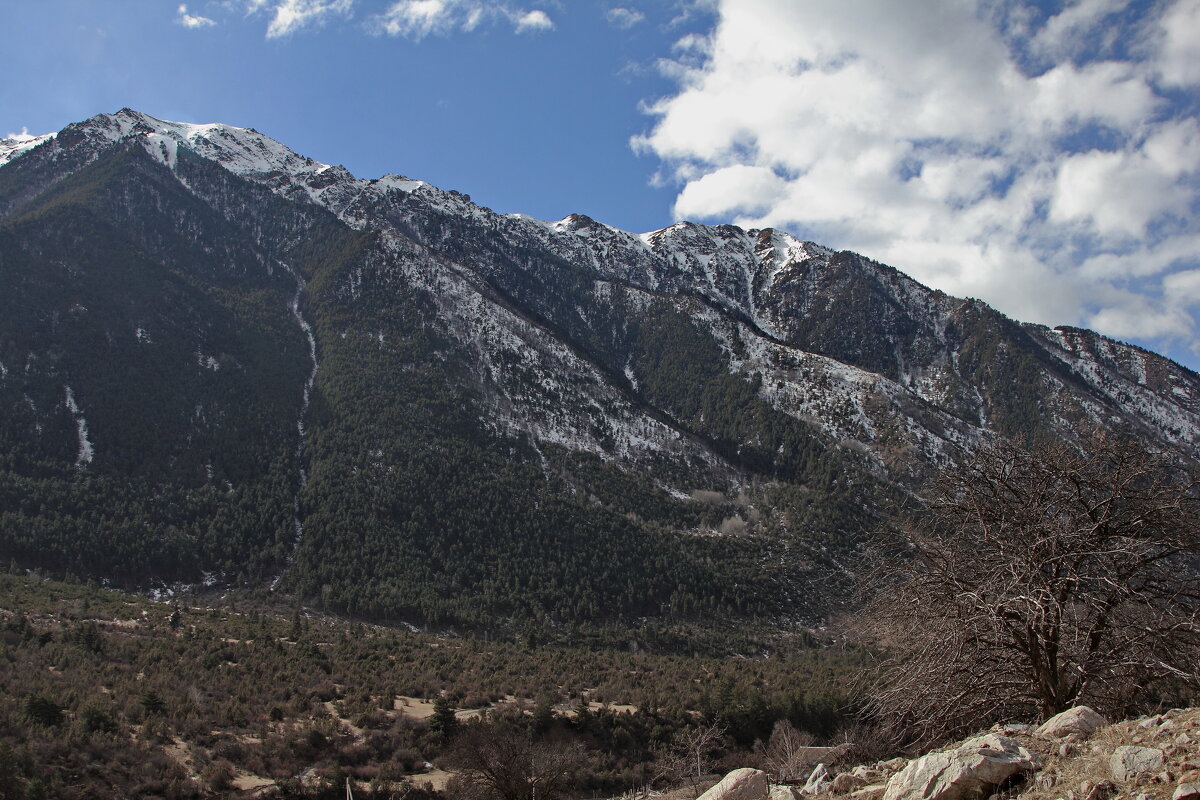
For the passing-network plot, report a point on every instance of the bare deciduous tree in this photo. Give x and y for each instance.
(696, 746)
(787, 755)
(1036, 578)
(502, 762)
(689, 755)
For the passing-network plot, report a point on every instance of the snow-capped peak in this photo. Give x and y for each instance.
(17, 143)
(243, 151)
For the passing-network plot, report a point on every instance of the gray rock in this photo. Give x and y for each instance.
(846, 782)
(1187, 791)
(873, 792)
(1129, 762)
(741, 784)
(1101, 791)
(966, 771)
(818, 780)
(783, 792)
(1080, 720)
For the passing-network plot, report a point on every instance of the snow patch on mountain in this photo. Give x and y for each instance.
(86, 451)
(759, 287)
(1173, 411)
(207, 362)
(19, 144)
(533, 384)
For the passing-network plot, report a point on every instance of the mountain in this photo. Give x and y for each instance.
(223, 362)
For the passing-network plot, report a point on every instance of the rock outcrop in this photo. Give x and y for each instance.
(970, 770)
(741, 784)
(1075, 755)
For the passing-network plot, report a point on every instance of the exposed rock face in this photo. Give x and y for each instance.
(1079, 720)
(741, 784)
(1128, 762)
(969, 770)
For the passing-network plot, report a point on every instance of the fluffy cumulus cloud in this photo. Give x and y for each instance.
(416, 19)
(192, 20)
(533, 21)
(1047, 163)
(624, 18)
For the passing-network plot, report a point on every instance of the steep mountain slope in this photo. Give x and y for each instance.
(221, 357)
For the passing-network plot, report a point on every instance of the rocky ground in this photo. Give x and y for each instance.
(1076, 755)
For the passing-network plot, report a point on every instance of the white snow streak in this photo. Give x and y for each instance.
(298, 315)
(86, 451)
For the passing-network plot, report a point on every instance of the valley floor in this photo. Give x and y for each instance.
(108, 695)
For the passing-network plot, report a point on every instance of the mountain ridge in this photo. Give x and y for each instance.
(703, 397)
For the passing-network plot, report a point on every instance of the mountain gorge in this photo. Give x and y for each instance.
(222, 362)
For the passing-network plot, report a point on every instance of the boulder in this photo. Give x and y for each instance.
(873, 792)
(783, 792)
(1100, 791)
(1129, 762)
(846, 782)
(1080, 719)
(1187, 791)
(969, 770)
(741, 784)
(818, 780)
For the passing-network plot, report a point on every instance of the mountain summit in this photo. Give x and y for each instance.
(224, 362)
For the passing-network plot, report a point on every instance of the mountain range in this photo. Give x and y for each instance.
(225, 363)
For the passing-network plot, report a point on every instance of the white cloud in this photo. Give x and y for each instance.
(192, 20)
(1072, 30)
(23, 136)
(1117, 193)
(416, 19)
(1027, 161)
(290, 16)
(533, 22)
(737, 189)
(1180, 56)
(624, 18)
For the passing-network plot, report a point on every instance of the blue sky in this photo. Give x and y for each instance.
(536, 121)
(1044, 157)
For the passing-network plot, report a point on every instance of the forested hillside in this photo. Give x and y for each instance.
(224, 363)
